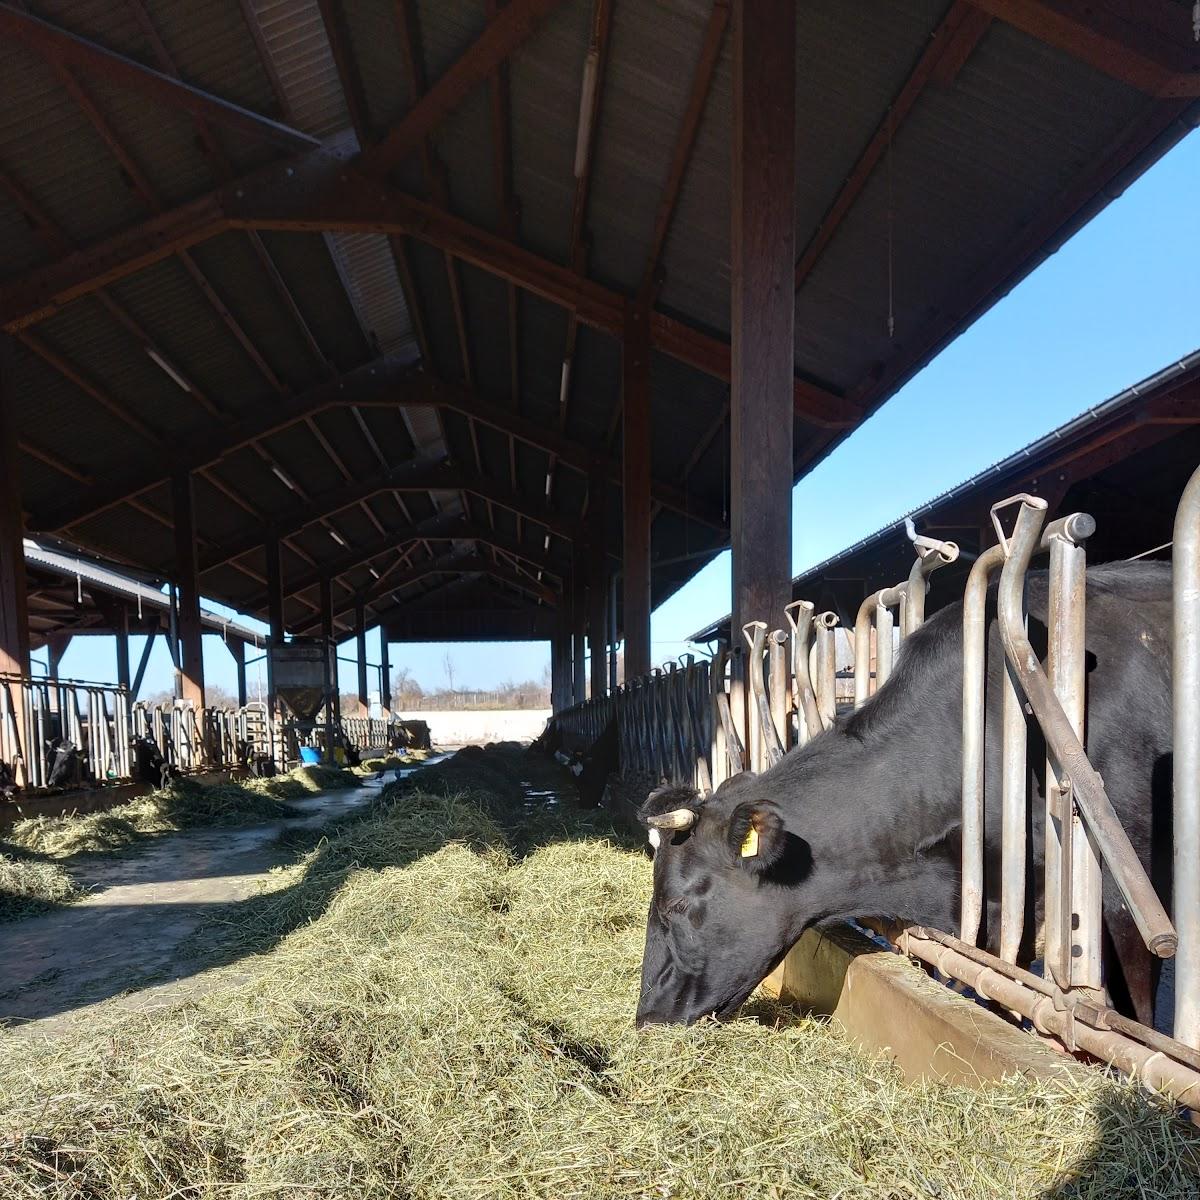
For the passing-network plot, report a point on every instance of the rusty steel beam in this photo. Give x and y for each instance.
(58, 45)
(1148, 45)
(512, 25)
(949, 47)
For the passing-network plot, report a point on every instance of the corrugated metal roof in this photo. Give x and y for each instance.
(974, 163)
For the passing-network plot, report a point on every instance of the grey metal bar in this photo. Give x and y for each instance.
(974, 705)
(930, 556)
(1186, 689)
(716, 685)
(823, 667)
(1075, 909)
(804, 698)
(780, 692)
(768, 741)
(1147, 911)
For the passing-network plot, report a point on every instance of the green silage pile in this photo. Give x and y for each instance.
(423, 1011)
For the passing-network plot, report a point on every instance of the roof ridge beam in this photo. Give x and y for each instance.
(61, 46)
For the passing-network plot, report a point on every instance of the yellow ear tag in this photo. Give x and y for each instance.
(750, 845)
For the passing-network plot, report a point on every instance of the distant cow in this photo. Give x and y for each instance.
(149, 766)
(865, 819)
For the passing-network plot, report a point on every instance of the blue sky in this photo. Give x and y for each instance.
(1118, 302)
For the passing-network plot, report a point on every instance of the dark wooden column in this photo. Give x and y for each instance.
(274, 614)
(56, 647)
(360, 641)
(635, 491)
(561, 683)
(14, 612)
(121, 630)
(238, 649)
(191, 652)
(597, 587)
(578, 626)
(326, 605)
(385, 674)
(274, 588)
(763, 261)
(143, 662)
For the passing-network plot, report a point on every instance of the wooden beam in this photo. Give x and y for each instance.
(319, 193)
(944, 55)
(685, 140)
(14, 607)
(763, 311)
(512, 25)
(384, 378)
(61, 46)
(187, 579)
(597, 584)
(1148, 45)
(635, 492)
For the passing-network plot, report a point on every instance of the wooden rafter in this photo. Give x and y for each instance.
(944, 55)
(1148, 45)
(317, 193)
(60, 46)
(512, 25)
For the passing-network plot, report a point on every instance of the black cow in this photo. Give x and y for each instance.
(149, 765)
(865, 819)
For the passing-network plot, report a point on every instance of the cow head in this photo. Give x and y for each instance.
(724, 910)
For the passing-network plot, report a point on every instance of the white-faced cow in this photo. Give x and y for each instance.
(864, 820)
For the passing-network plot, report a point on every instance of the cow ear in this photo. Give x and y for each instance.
(756, 835)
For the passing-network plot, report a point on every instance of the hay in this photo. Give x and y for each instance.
(29, 888)
(182, 804)
(448, 1019)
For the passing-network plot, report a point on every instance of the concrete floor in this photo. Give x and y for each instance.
(128, 938)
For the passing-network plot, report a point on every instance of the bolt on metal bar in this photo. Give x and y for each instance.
(1072, 762)
(1186, 761)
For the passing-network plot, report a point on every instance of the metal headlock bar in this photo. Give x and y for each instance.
(708, 721)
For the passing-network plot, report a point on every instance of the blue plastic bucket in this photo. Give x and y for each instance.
(310, 755)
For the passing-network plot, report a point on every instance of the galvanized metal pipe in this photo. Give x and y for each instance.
(1186, 689)
(1151, 1067)
(823, 667)
(884, 648)
(869, 611)
(770, 750)
(1147, 911)
(781, 697)
(716, 685)
(929, 558)
(808, 717)
(1075, 908)
(974, 707)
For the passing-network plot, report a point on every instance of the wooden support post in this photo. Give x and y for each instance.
(142, 663)
(191, 657)
(14, 612)
(578, 627)
(274, 589)
(327, 635)
(763, 257)
(360, 641)
(121, 630)
(385, 675)
(635, 492)
(238, 649)
(597, 587)
(56, 647)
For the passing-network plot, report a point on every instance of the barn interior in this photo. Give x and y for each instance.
(483, 320)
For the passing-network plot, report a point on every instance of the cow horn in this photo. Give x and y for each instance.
(677, 818)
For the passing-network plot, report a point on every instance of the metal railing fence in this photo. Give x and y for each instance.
(751, 704)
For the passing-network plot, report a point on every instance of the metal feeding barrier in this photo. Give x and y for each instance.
(778, 691)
